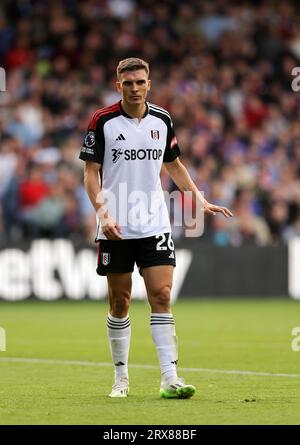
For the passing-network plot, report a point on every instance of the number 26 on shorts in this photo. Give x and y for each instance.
(160, 245)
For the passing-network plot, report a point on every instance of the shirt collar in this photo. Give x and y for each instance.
(130, 117)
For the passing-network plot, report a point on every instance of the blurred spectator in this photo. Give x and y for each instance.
(222, 69)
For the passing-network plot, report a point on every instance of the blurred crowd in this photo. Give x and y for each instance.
(223, 69)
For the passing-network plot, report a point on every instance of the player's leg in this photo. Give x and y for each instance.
(119, 330)
(158, 282)
(119, 293)
(115, 260)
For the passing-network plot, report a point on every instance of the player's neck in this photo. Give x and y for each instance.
(134, 110)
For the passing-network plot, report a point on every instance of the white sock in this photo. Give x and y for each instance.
(119, 331)
(164, 337)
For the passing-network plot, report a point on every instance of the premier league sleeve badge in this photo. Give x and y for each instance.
(89, 140)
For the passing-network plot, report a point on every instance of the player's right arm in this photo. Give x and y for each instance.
(110, 227)
(92, 152)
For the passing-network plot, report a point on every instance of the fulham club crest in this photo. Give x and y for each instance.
(155, 134)
(105, 258)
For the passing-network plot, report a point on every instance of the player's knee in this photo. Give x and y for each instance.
(161, 296)
(119, 303)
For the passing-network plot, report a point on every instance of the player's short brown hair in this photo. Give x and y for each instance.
(132, 64)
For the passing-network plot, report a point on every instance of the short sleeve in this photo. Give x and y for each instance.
(94, 144)
(172, 150)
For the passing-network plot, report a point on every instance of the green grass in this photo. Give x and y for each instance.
(251, 335)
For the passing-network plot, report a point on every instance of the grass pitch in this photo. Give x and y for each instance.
(72, 375)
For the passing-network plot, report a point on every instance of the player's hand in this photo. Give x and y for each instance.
(212, 209)
(110, 228)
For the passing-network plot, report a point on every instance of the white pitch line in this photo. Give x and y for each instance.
(104, 364)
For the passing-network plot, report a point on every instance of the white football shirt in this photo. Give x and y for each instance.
(131, 154)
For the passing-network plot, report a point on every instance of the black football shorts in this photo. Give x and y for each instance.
(119, 256)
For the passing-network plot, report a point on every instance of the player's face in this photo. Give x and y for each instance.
(134, 86)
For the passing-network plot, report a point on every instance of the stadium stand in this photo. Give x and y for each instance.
(223, 69)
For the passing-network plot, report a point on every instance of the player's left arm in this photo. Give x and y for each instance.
(184, 182)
